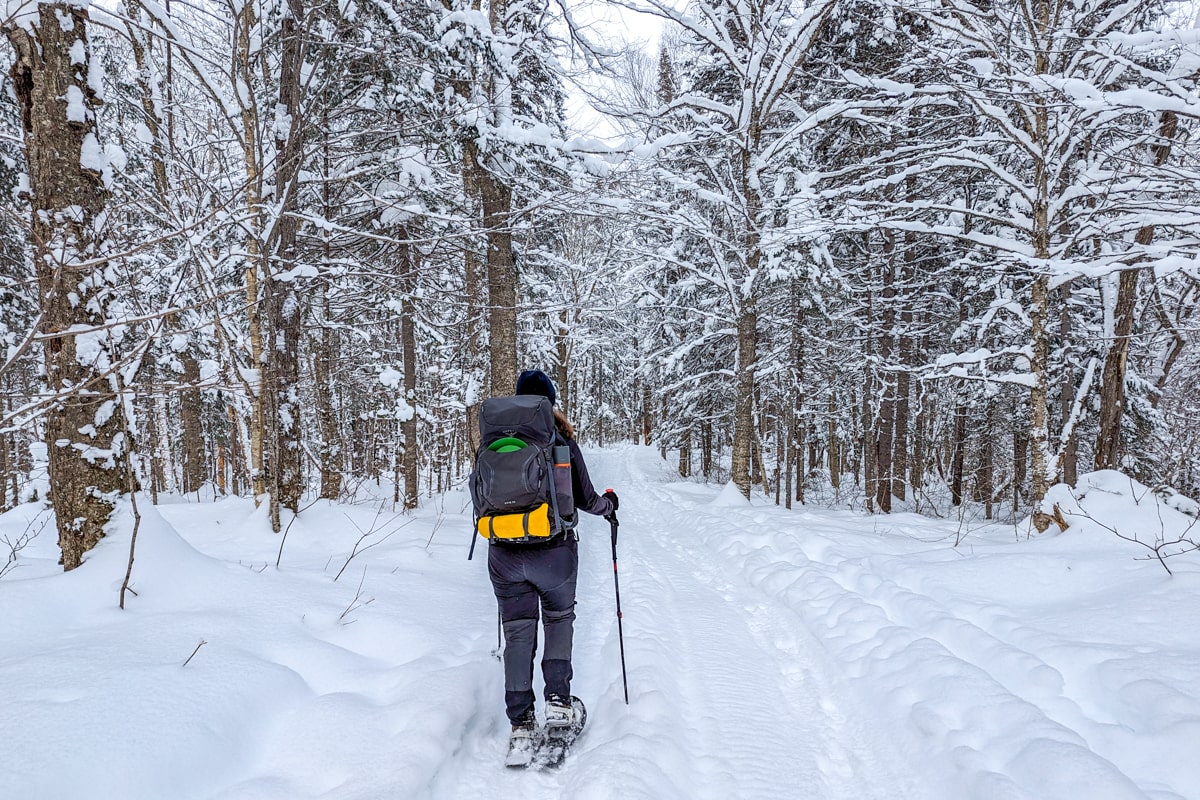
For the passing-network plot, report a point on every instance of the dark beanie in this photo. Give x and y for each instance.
(534, 381)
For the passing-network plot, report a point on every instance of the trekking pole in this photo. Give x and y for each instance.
(612, 520)
(499, 651)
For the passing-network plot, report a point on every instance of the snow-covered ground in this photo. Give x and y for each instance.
(771, 654)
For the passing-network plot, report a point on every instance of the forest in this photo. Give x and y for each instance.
(920, 255)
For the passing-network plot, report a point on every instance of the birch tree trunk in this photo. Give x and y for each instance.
(1039, 297)
(329, 450)
(243, 77)
(1039, 433)
(88, 450)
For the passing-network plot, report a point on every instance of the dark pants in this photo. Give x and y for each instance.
(524, 579)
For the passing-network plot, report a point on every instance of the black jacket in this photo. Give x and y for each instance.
(586, 498)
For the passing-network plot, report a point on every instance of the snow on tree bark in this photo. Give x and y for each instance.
(282, 301)
(87, 447)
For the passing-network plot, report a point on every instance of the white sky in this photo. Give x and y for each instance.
(614, 26)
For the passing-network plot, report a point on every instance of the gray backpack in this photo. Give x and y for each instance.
(521, 483)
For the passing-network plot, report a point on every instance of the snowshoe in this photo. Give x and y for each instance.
(559, 713)
(523, 743)
(563, 727)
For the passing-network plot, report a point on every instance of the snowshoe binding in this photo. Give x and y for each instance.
(564, 723)
(523, 742)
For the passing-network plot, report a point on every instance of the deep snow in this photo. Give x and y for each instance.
(771, 654)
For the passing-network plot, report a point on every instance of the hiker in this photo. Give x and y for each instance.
(526, 576)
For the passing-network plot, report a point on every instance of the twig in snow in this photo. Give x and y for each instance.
(20, 543)
(375, 529)
(437, 524)
(193, 655)
(291, 522)
(1160, 549)
(355, 604)
(131, 479)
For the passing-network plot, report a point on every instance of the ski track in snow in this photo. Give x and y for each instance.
(763, 704)
(771, 654)
(1011, 728)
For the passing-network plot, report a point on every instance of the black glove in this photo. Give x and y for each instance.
(612, 498)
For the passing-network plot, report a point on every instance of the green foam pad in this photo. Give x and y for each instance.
(506, 445)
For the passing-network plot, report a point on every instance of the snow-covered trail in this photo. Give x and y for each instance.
(763, 711)
(879, 676)
(772, 654)
(730, 696)
(793, 654)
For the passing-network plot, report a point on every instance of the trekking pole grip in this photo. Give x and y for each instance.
(613, 521)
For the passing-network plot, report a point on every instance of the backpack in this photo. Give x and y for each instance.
(521, 483)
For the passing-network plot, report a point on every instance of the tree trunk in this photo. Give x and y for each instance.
(835, 446)
(194, 463)
(647, 417)
(1112, 384)
(222, 485)
(408, 347)
(1042, 463)
(1066, 391)
(141, 40)
(959, 446)
(790, 449)
(900, 440)
(190, 408)
(284, 309)
(238, 462)
(1039, 433)
(160, 445)
(562, 347)
(706, 449)
(87, 446)
(886, 420)
(244, 60)
(869, 444)
(330, 454)
(985, 473)
(496, 203)
(6, 470)
(743, 408)
(921, 435)
(793, 447)
(329, 451)
(1020, 462)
